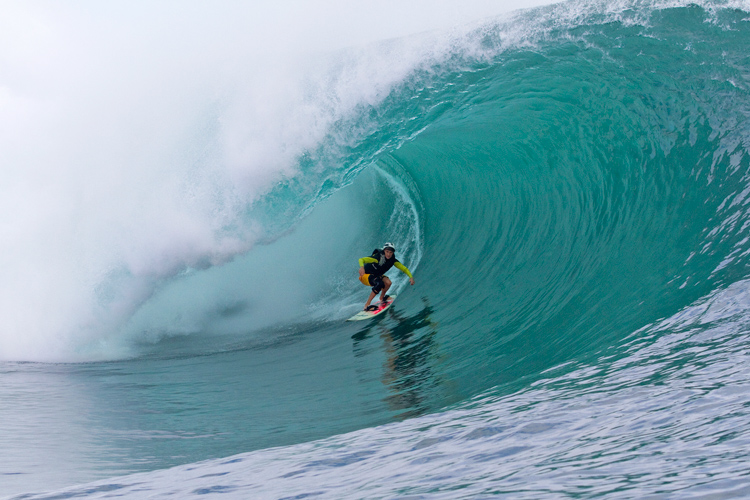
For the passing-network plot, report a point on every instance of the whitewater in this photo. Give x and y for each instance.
(185, 191)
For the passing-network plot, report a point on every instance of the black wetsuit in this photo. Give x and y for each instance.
(379, 267)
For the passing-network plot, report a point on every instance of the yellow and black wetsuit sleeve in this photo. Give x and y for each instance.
(367, 260)
(403, 269)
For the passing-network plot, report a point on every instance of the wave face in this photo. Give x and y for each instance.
(570, 187)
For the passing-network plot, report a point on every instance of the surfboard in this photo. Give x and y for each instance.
(382, 307)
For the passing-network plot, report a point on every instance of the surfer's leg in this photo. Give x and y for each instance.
(377, 285)
(372, 296)
(387, 285)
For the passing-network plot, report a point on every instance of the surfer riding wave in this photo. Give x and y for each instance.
(372, 272)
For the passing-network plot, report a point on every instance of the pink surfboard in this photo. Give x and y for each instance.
(382, 307)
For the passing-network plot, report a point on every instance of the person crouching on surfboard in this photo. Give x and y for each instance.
(372, 270)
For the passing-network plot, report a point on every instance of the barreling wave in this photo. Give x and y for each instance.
(582, 186)
(576, 173)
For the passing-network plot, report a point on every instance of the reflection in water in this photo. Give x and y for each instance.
(411, 350)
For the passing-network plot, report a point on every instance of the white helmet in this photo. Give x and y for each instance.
(389, 245)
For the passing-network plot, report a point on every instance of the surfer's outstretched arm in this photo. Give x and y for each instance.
(404, 270)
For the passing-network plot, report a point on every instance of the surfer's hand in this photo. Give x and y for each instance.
(411, 280)
(361, 271)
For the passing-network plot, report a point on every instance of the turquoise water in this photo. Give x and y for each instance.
(569, 185)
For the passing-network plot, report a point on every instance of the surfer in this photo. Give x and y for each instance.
(372, 270)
